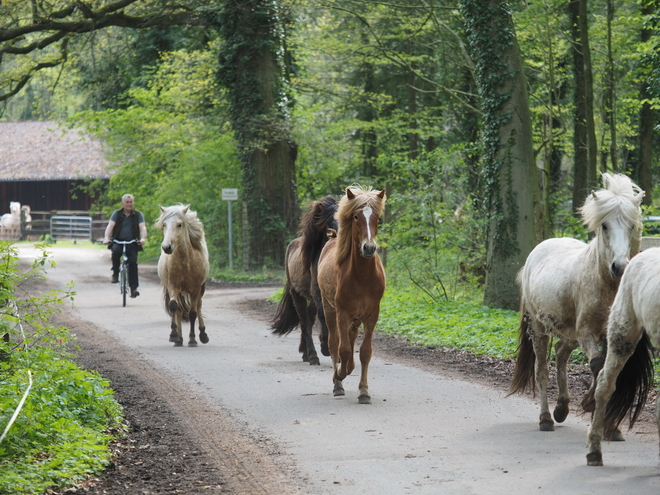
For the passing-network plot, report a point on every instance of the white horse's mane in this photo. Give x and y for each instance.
(620, 196)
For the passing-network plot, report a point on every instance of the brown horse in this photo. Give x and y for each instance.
(183, 268)
(352, 282)
(301, 300)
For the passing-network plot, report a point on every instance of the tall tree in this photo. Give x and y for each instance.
(252, 68)
(508, 158)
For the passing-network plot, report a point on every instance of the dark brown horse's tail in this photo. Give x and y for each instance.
(286, 318)
(632, 387)
(523, 373)
(183, 304)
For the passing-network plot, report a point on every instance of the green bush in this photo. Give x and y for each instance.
(62, 432)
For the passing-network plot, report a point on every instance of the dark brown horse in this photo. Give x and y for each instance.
(301, 301)
(352, 282)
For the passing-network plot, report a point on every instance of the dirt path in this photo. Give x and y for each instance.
(181, 439)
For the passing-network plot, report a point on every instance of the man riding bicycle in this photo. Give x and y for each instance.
(126, 224)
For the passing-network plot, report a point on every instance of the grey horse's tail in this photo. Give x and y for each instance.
(632, 387)
(183, 304)
(286, 318)
(523, 373)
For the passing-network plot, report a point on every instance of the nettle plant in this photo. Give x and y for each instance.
(56, 420)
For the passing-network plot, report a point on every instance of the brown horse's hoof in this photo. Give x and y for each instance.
(192, 343)
(364, 399)
(561, 411)
(203, 337)
(178, 343)
(315, 361)
(338, 390)
(594, 459)
(546, 423)
(174, 337)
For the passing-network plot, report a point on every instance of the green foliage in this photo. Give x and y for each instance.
(432, 237)
(63, 429)
(172, 144)
(472, 327)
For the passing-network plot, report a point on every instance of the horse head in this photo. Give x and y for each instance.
(172, 224)
(365, 220)
(614, 214)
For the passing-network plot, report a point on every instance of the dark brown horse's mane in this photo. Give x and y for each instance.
(314, 227)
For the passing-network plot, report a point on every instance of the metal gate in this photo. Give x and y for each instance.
(70, 228)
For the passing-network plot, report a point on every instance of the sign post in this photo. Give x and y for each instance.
(230, 195)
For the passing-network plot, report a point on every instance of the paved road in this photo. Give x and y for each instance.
(423, 433)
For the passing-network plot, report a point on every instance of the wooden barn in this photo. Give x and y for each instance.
(42, 164)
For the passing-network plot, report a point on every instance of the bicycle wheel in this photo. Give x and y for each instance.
(123, 281)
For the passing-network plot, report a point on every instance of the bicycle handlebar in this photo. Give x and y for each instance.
(124, 242)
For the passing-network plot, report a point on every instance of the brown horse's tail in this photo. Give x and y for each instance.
(183, 304)
(523, 373)
(286, 318)
(632, 387)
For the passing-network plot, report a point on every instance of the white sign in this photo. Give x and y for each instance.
(230, 194)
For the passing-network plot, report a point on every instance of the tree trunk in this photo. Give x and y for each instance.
(647, 120)
(592, 146)
(580, 148)
(511, 174)
(252, 68)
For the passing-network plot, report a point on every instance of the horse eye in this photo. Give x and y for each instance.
(355, 217)
(604, 226)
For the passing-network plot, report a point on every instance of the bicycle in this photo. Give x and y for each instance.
(123, 270)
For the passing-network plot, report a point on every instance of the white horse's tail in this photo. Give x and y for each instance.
(523, 373)
(632, 387)
(183, 304)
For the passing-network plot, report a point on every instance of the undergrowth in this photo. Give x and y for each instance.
(63, 417)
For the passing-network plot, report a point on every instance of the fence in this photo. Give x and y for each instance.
(69, 227)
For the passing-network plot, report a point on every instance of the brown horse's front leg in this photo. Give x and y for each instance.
(366, 350)
(345, 326)
(175, 314)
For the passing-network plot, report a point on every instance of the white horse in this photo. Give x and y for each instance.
(567, 288)
(634, 324)
(183, 268)
(10, 223)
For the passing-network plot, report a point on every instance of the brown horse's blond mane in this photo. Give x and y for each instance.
(363, 197)
(194, 225)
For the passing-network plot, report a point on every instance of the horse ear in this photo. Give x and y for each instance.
(349, 193)
(381, 194)
(185, 209)
(593, 193)
(161, 208)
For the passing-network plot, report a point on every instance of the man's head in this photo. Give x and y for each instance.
(127, 202)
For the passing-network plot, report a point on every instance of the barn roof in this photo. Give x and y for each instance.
(44, 150)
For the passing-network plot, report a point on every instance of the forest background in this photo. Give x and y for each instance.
(487, 122)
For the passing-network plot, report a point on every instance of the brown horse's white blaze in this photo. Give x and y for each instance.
(567, 288)
(351, 279)
(183, 268)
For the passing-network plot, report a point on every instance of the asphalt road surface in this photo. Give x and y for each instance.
(423, 433)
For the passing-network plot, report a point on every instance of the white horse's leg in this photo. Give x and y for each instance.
(204, 339)
(192, 318)
(540, 343)
(605, 386)
(563, 350)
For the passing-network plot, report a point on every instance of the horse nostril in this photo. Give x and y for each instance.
(167, 249)
(368, 250)
(618, 268)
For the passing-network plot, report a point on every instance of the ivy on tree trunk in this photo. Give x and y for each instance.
(253, 70)
(510, 175)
